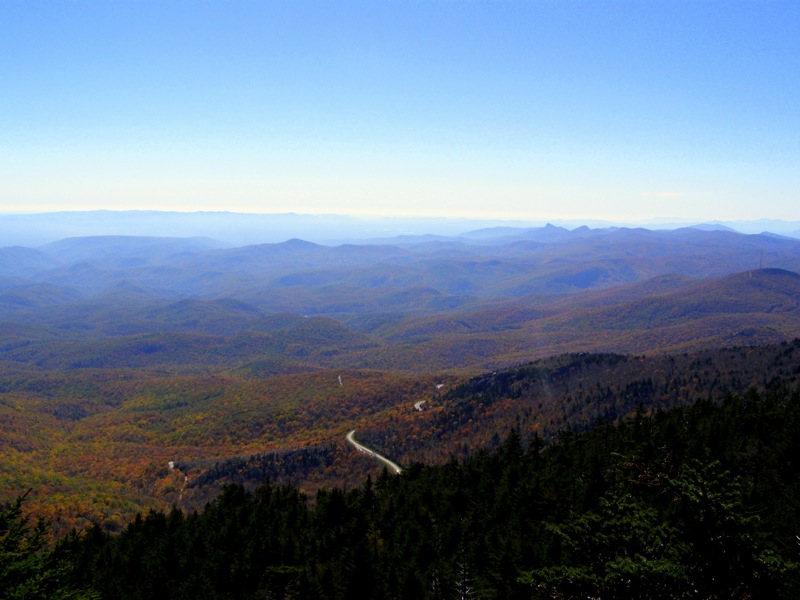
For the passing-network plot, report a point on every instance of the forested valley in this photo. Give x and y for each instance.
(687, 502)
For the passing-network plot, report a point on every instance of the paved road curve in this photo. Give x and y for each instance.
(366, 450)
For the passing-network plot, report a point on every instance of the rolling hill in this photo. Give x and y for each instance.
(121, 355)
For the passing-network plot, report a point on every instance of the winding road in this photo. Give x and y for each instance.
(394, 466)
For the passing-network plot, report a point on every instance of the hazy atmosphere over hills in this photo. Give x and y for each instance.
(483, 298)
(505, 371)
(412, 300)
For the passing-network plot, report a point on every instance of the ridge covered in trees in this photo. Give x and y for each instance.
(696, 501)
(98, 446)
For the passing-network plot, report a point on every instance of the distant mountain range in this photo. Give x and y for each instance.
(490, 297)
(238, 229)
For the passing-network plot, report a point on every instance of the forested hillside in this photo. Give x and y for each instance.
(568, 392)
(689, 502)
(99, 445)
(96, 445)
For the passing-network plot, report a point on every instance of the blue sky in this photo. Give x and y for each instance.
(617, 110)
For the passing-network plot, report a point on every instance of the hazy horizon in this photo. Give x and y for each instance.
(533, 111)
(36, 229)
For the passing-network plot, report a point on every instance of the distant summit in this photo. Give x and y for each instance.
(712, 227)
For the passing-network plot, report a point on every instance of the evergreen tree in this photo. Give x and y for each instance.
(29, 570)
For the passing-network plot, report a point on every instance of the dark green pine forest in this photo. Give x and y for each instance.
(700, 501)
